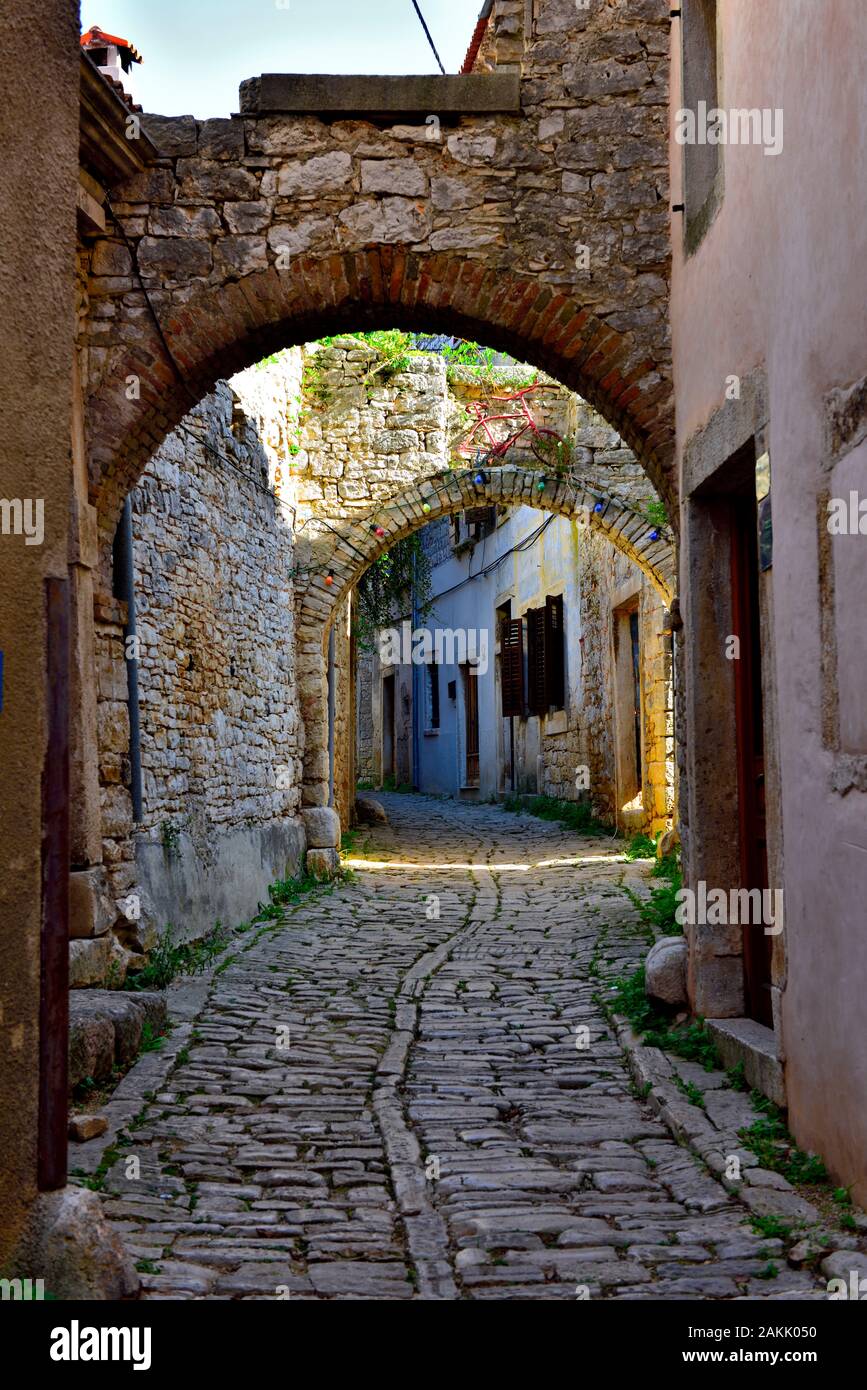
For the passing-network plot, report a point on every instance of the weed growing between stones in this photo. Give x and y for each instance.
(658, 911)
(690, 1040)
(577, 815)
(168, 960)
(770, 1141)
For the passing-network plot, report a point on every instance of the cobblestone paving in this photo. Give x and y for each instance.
(432, 1129)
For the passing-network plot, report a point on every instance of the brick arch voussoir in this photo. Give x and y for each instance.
(218, 329)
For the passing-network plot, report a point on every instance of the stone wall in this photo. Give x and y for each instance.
(221, 735)
(282, 225)
(607, 580)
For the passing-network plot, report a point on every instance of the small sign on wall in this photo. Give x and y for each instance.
(763, 498)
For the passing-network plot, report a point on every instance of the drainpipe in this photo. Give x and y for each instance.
(416, 697)
(331, 704)
(124, 588)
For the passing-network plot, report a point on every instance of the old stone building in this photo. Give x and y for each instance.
(179, 718)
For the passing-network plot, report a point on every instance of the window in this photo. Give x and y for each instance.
(432, 697)
(546, 663)
(512, 667)
(473, 525)
(702, 161)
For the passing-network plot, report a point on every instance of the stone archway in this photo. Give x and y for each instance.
(217, 333)
(525, 207)
(341, 558)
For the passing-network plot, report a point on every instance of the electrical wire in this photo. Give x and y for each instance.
(428, 36)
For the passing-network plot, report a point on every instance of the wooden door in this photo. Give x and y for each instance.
(751, 750)
(471, 714)
(388, 711)
(635, 648)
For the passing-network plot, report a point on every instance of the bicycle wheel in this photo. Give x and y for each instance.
(550, 448)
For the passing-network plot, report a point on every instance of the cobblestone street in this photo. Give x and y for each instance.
(431, 1129)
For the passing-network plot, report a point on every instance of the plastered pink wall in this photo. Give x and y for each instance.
(780, 281)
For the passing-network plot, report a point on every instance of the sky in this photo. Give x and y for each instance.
(197, 52)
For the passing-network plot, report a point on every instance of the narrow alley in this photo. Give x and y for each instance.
(374, 1101)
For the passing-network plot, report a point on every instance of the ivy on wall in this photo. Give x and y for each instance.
(385, 590)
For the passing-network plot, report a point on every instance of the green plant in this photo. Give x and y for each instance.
(655, 512)
(691, 1040)
(385, 587)
(659, 910)
(313, 385)
(151, 1041)
(577, 815)
(772, 1227)
(770, 1141)
(692, 1092)
(168, 960)
(553, 453)
(641, 847)
(170, 834)
(736, 1077)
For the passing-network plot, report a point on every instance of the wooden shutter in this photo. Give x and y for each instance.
(537, 693)
(555, 657)
(512, 667)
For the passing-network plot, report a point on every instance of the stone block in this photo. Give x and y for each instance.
(386, 220)
(246, 217)
(323, 863)
(105, 1026)
(744, 1040)
(91, 906)
(325, 173)
(393, 176)
(91, 1044)
(183, 221)
(322, 824)
(89, 961)
(172, 135)
(221, 138)
(110, 258)
(242, 254)
(116, 812)
(214, 182)
(174, 258)
(85, 1127)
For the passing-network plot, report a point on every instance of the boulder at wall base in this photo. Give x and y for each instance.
(322, 824)
(105, 1026)
(370, 811)
(665, 971)
(76, 1249)
(322, 863)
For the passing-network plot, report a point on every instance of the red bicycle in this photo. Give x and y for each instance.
(547, 446)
